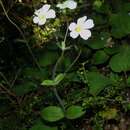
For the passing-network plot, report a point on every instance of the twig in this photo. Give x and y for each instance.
(15, 78)
(22, 34)
(8, 91)
(5, 79)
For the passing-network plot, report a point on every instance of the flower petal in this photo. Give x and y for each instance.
(89, 24)
(51, 14)
(45, 8)
(74, 34)
(70, 4)
(41, 22)
(61, 6)
(72, 26)
(85, 34)
(81, 20)
(35, 19)
(37, 12)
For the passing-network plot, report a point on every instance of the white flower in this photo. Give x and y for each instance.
(71, 4)
(20, 1)
(81, 28)
(42, 14)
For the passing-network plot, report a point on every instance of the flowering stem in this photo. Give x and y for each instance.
(56, 65)
(54, 73)
(62, 55)
(66, 35)
(53, 76)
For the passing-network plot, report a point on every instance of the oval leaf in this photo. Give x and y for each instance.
(40, 126)
(100, 57)
(74, 112)
(59, 78)
(121, 61)
(97, 82)
(48, 83)
(54, 82)
(120, 24)
(52, 113)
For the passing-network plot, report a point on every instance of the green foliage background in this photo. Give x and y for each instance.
(95, 88)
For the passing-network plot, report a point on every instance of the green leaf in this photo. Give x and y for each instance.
(100, 57)
(97, 82)
(125, 7)
(120, 24)
(121, 61)
(59, 78)
(115, 78)
(52, 113)
(99, 19)
(24, 88)
(48, 58)
(111, 51)
(48, 83)
(35, 74)
(40, 126)
(98, 42)
(101, 7)
(74, 112)
(72, 77)
(54, 82)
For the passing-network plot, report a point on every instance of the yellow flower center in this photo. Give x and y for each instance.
(42, 17)
(78, 29)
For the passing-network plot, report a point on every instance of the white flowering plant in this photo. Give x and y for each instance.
(42, 14)
(64, 64)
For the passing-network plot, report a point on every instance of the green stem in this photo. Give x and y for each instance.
(56, 65)
(59, 98)
(73, 62)
(54, 74)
